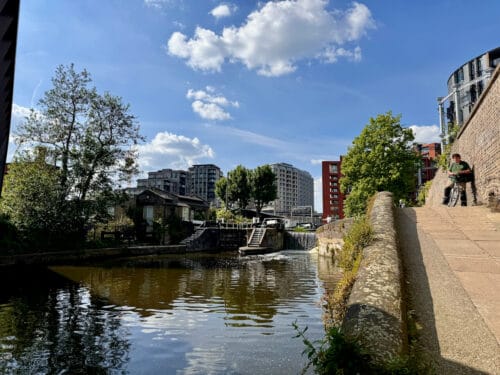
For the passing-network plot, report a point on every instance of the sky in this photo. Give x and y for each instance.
(255, 82)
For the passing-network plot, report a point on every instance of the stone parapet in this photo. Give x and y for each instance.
(374, 314)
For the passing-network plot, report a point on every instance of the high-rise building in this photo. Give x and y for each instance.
(202, 179)
(465, 86)
(333, 199)
(169, 180)
(295, 189)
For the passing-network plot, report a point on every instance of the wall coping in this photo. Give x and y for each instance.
(374, 316)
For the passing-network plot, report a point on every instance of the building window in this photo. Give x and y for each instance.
(333, 168)
(147, 214)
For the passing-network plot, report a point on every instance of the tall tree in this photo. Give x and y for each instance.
(221, 190)
(89, 137)
(381, 158)
(239, 189)
(263, 186)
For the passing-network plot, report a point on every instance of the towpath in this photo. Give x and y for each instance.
(451, 258)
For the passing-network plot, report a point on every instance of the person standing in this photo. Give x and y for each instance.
(458, 171)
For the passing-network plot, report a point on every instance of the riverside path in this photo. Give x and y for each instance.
(451, 258)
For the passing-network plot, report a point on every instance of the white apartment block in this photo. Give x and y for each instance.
(295, 188)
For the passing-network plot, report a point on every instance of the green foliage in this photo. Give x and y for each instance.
(444, 159)
(423, 193)
(264, 189)
(221, 190)
(359, 236)
(381, 158)
(300, 230)
(84, 142)
(335, 354)
(238, 186)
(9, 238)
(339, 355)
(229, 216)
(243, 184)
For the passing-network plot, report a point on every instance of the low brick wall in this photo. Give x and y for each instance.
(375, 308)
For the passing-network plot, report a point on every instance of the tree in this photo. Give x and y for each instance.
(221, 190)
(381, 158)
(88, 137)
(30, 198)
(238, 186)
(263, 186)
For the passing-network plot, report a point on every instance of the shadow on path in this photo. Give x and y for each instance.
(420, 303)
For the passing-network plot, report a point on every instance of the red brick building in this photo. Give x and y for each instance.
(333, 199)
(429, 153)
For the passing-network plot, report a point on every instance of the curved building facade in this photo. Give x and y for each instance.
(465, 86)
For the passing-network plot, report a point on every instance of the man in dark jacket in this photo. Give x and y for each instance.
(459, 171)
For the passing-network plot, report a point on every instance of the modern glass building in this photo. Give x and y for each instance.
(465, 86)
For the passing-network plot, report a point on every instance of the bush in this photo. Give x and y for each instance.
(358, 237)
(9, 237)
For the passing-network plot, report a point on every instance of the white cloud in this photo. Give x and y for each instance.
(19, 113)
(169, 150)
(158, 4)
(278, 35)
(426, 134)
(209, 105)
(251, 137)
(331, 54)
(222, 10)
(316, 161)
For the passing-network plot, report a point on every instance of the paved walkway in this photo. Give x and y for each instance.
(451, 258)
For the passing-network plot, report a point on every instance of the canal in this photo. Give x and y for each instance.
(189, 314)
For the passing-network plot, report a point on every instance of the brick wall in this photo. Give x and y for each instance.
(479, 144)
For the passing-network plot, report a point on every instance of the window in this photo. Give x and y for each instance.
(333, 168)
(147, 214)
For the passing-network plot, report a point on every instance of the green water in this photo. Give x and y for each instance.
(198, 314)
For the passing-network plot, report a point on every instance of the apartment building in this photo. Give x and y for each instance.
(201, 181)
(465, 86)
(333, 199)
(429, 154)
(169, 180)
(295, 189)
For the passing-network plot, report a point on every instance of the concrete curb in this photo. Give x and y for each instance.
(374, 314)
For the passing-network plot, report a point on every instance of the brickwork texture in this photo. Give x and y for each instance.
(479, 144)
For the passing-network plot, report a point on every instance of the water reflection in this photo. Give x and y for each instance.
(48, 325)
(196, 314)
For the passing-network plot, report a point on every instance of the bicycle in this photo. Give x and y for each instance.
(455, 192)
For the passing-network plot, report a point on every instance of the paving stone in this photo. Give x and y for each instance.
(460, 247)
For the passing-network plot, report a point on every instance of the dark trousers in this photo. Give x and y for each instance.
(463, 194)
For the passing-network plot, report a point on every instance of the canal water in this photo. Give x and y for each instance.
(196, 314)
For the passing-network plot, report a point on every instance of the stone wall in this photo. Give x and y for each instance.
(273, 238)
(478, 143)
(374, 314)
(330, 236)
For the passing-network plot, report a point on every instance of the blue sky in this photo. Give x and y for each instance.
(255, 82)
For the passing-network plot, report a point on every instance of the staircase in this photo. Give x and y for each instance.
(189, 240)
(256, 237)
